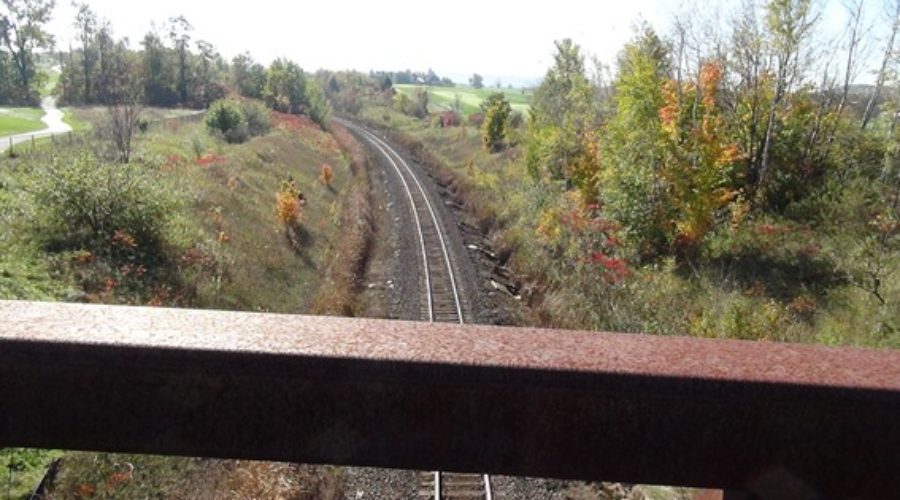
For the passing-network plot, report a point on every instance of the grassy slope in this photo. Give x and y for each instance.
(20, 120)
(232, 209)
(228, 213)
(753, 287)
(442, 98)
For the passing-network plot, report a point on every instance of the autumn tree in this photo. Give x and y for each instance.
(698, 161)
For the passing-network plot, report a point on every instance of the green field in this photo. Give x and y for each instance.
(19, 120)
(442, 98)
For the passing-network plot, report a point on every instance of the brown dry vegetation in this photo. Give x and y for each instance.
(107, 476)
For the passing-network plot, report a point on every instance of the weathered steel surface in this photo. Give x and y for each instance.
(566, 404)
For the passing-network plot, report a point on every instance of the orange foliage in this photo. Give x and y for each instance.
(124, 240)
(327, 174)
(287, 205)
(710, 77)
(210, 159)
(291, 122)
(700, 155)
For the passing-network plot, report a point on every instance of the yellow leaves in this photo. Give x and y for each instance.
(287, 208)
(668, 114)
(288, 203)
(726, 196)
(549, 226)
(699, 154)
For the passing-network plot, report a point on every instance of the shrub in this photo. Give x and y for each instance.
(257, 116)
(197, 146)
(225, 118)
(82, 202)
(493, 130)
(327, 174)
(287, 204)
(476, 119)
(450, 119)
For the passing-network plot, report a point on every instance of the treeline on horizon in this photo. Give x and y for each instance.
(169, 69)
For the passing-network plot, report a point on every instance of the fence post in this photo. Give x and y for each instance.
(11, 152)
(32, 142)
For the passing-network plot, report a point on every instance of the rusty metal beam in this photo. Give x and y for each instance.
(565, 404)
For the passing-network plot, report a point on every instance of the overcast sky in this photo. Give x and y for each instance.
(496, 38)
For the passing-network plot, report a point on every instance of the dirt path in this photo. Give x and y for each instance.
(53, 119)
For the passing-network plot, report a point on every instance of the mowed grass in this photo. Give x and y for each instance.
(82, 117)
(20, 120)
(443, 98)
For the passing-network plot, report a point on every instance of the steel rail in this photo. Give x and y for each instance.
(412, 204)
(384, 148)
(382, 145)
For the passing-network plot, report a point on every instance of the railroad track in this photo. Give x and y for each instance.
(442, 302)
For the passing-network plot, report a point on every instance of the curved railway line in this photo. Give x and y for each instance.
(442, 304)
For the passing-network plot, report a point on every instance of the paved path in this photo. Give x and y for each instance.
(52, 119)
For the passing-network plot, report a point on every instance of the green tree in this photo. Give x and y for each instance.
(226, 119)
(633, 147)
(180, 36)
(22, 31)
(477, 81)
(563, 115)
(319, 109)
(248, 76)
(86, 24)
(790, 25)
(497, 111)
(159, 82)
(285, 89)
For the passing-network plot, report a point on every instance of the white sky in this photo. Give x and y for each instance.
(505, 39)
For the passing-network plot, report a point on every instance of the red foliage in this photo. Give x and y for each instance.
(450, 119)
(194, 257)
(615, 269)
(291, 122)
(172, 162)
(124, 240)
(210, 159)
